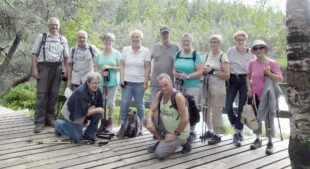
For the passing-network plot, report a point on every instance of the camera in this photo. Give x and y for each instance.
(63, 77)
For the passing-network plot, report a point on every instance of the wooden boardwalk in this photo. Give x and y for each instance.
(15, 152)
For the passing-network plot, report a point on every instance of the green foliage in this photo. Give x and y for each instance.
(21, 97)
(282, 61)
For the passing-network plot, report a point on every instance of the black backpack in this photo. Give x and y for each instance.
(131, 125)
(193, 111)
(194, 55)
(42, 44)
(90, 49)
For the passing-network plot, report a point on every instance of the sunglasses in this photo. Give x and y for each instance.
(258, 48)
(214, 41)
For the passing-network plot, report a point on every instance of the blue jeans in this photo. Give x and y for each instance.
(236, 83)
(135, 90)
(75, 131)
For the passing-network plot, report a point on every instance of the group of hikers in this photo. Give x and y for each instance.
(173, 71)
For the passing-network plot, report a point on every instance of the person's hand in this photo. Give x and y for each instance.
(104, 73)
(150, 126)
(267, 70)
(178, 75)
(249, 93)
(35, 73)
(100, 110)
(170, 137)
(207, 69)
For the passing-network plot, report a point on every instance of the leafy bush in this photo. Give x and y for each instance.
(21, 97)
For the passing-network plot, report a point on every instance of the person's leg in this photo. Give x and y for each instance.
(41, 102)
(54, 80)
(72, 130)
(111, 106)
(164, 149)
(139, 99)
(103, 123)
(258, 141)
(269, 124)
(209, 112)
(242, 100)
(91, 129)
(127, 93)
(232, 91)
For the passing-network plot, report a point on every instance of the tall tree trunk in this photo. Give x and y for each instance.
(10, 54)
(298, 78)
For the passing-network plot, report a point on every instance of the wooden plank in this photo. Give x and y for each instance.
(244, 157)
(280, 164)
(207, 154)
(263, 161)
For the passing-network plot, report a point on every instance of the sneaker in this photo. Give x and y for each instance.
(187, 147)
(236, 140)
(207, 135)
(241, 137)
(256, 144)
(151, 149)
(269, 149)
(214, 140)
(38, 128)
(57, 134)
(88, 140)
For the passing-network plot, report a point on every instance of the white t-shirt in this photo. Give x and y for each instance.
(134, 63)
(215, 62)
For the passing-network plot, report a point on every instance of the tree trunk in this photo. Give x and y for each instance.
(298, 79)
(10, 54)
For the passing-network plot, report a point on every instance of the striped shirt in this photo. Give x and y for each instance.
(82, 63)
(134, 63)
(238, 62)
(56, 48)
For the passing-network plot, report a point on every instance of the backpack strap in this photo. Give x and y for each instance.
(158, 106)
(91, 51)
(61, 42)
(42, 43)
(194, 55)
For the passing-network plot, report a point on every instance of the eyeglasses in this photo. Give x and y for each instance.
(240, 40)
(214, 41)
(258, 48)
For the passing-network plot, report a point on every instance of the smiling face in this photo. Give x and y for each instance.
(165, 37)
(187, 43)
(136, 39)
(240, 41)
(214, 44)
(93, 85)
(53, 26)
(81, 38)
(108, 42)
(165, 85)
(259, 50)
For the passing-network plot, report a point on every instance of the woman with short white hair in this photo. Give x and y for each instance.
(217, 70)
(135, 66)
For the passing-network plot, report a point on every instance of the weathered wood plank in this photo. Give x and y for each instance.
(244, 157)
(280, 164)
(265, 160)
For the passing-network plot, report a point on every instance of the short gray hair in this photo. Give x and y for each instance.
(216, 37)
(136, 31)
(188, 35)
(108, 35)
(163, 76)
(83, 32)
(92, 76)
(53, 19)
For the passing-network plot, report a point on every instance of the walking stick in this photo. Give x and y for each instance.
(277, 111)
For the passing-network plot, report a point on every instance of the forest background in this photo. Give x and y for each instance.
(22, 20)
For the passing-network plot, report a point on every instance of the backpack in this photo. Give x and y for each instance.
(42, 43)
(90, 49)
(194, 55)
(131, 126)
(193, 111)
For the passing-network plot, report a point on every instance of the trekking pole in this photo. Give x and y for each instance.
(277, 111)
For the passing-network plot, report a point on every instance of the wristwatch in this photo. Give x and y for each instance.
(214, 72)
(187, 76)
(176, 133)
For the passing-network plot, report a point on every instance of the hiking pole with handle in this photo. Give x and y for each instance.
(277, 111)
(204, 108)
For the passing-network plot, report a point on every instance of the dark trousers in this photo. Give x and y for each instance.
(236, 84)
(47, 91)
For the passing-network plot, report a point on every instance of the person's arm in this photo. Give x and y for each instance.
(149, 120)
(225, 73)
(69, 71)
(121, 70)
(198, 73)
(180, 101)
(147, 66)
(273, 76)
(34, 67)
(248, 84)
(93, 110)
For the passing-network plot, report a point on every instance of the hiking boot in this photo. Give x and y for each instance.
(187, 147)
(50, 123)
(151, 149)
(38, 128)
(103, 125)
(57, 134)
(256, 144)
(88, 140)
(269, 149)
(207, 135)
(193, 136)
(241, 137)
(214, 140)
(236, 140)
(140, 133)
(108, 129)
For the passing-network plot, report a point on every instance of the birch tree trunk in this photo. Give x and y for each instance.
(298, 78)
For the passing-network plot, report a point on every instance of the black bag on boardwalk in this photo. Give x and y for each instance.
(193, 111)
(131, 126)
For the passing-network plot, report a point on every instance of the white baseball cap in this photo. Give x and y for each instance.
(259, 42)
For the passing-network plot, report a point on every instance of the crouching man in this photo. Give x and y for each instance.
(170, 127)
(85, 101)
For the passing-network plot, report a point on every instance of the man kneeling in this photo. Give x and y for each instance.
(85, 102)
(171, 127)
